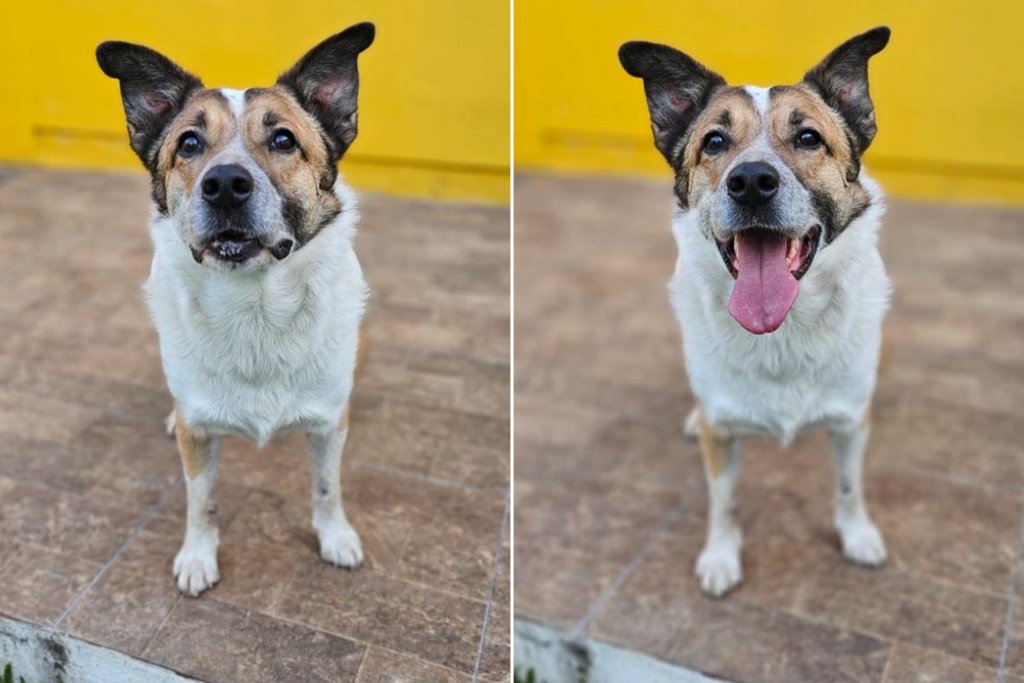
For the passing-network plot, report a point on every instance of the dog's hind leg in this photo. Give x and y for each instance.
(339, 542)
(862, 542)
(196, 563)
(170, 423)
(691, 425)
(719, 568)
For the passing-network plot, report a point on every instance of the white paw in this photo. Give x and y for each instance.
(862, 543)
(719, 570)
(170, 424)
(340, 545)
(196, 569)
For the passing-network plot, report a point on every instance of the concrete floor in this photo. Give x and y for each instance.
(610, 502)
(91, 502)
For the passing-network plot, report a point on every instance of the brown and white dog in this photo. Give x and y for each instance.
(779, 287)
(255, 289)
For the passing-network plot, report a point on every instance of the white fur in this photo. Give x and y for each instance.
(818, 369)
(260, 351)
(760, 96)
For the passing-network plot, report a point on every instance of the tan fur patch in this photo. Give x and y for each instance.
(343, 424)
(826, 169)
(744, 124)
(715, 447)
(208, 114)
(194, 448)
(303, 177)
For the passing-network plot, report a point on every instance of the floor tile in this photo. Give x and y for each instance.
(219, 643)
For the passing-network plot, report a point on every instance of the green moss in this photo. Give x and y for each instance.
(9, 675)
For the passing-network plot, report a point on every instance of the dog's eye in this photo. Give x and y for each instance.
(808, 139)
(715, 143)
(189, 145)
(283, 141)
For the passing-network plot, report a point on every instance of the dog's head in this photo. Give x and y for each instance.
(245, 177)
(773, 173)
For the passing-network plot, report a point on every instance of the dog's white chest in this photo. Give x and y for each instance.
(817, 370)
(255, 354)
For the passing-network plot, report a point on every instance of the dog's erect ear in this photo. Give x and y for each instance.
(153, 91)
(677, 89)
(842, 80)
(326, 82)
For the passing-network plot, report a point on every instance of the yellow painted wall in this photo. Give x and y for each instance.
(434, 92)
(948, 90)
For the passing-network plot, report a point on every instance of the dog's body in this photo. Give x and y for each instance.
(818, 369)
(298, 323)
(255, 289)
(779, 287)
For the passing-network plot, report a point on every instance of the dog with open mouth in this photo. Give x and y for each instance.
(255, 288)
(779, 286)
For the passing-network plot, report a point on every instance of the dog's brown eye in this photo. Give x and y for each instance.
(189, 145)
(283, 141)
(808, 139)
(715, 143)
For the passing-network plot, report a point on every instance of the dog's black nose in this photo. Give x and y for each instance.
(753, 182)
(227, 186)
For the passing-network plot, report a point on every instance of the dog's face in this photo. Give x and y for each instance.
(772, 173)
(245, 177)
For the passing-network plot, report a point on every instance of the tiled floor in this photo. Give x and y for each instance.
(609, 498)
(91, 502)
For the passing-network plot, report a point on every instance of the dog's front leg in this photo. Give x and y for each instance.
(862, 542)
(718, 567)
(196, 563)
(339, 542)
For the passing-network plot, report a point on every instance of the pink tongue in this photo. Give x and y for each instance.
(765, 289)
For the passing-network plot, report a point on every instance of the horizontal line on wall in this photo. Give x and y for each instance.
(369, 159)
(955, 169)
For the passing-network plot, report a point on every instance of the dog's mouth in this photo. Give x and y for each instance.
(767, 266)
(235, 247)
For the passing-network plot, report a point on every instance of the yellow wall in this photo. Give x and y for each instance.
(434, 93)
(948, 90)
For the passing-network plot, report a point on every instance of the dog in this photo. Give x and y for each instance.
(255, 289)
(779, 287)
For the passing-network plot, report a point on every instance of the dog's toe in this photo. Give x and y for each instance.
(341, 546)
(864, 545)
(719, 572)
(196, 572)
(170, 424)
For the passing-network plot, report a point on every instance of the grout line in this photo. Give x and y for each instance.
(149, 641)
(449, 483)
(490, 593)
(362, 663)
(120, 549)
(671, 518)
(1017, 569)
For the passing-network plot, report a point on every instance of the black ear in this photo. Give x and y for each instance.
(677, 89)
(153, 91)
(326, 82)
(842, 80)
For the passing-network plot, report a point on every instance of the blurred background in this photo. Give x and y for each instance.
(610, 499)
(434, 97)
(948, 89)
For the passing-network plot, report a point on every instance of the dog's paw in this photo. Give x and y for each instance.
(340, 545)
(196, 570)
(171, 424)
(719, 570)
(863, 544)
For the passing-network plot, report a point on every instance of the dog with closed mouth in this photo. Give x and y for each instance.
(255, 288)
(779, 286)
